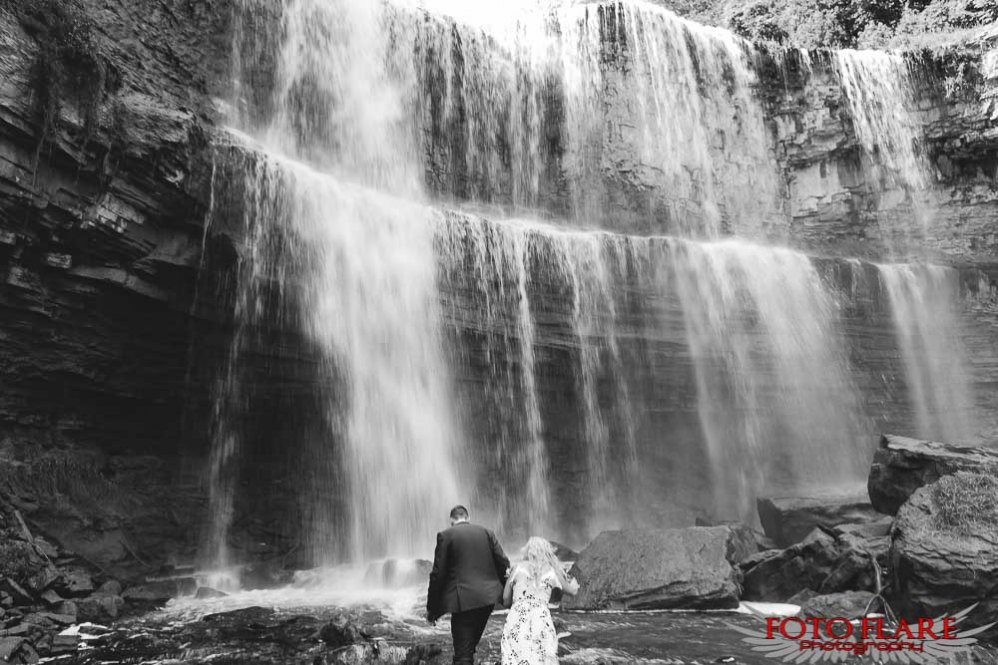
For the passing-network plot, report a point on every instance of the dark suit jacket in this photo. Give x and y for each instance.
(469, 571)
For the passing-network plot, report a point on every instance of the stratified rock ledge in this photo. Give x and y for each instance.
(902, 465)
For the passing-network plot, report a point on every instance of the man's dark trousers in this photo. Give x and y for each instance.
(466, 629)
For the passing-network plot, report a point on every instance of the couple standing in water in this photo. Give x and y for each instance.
(471, 573)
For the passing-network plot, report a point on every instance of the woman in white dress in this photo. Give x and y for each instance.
(529, 637)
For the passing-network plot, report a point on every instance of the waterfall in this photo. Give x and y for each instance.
(690, 123)
(880, 88)
(923, 301)
(505, 109)
(499, 246)
(772, 376)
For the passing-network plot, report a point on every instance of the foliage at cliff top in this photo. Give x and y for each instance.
(845, 23)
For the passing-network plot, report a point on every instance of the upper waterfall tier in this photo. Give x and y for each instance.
(567, 111)
(622, 116)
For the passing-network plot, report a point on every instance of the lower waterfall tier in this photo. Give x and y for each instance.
(559, 381)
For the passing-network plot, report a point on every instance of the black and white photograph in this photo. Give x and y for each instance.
(498, 332)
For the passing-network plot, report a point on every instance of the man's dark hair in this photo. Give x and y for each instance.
(459, 513)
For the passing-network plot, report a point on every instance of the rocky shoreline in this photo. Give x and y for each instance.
(934, 557)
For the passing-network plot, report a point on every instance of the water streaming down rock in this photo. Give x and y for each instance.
(518, 115)
(689, 123)
(880, 88)
(498, 275)
(881, 94)
(337, 102)
(603, 378)
(923, 303)
(769, 373)
(391, 435)
(772, 375)
(357, 270)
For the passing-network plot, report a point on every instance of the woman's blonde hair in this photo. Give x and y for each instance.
(538, 554)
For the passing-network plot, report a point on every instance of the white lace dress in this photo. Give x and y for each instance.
(529, 637)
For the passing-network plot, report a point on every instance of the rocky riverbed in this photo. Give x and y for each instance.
(309, 635)
(186, 635)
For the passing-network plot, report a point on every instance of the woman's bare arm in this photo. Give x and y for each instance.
(507, 592)
(569, 584)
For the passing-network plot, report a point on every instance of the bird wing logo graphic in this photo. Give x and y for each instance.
(833, 647)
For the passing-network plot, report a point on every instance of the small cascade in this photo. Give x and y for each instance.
(772, 378)
(337, 104)
(603, 97)
(881, 94)
(497, 275)
(688, 121)
(923, 301)
(252, 311)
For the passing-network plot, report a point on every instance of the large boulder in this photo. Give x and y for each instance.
(848, 604)
(825, 562)
(746, 541)
(902, 465)
(944, 549)
(657, 569)
(788, 520)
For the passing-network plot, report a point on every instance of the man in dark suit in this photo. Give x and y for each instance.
(467, 579)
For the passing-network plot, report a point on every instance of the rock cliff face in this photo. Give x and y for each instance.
(117, 295)
(101, 234)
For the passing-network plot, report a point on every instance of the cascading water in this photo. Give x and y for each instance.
(691, 124)
(923, 302)
(561, 381)
(772, 376)
(880, 88)
(505, 108)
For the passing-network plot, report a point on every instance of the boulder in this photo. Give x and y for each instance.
(17, 593)
(780, 574)
(99, 607)
(43, 579)
(158, 592)
(878, 529)
(746, 541)
(73, 583)
(902, 465)
(52, 598)
(944, 548)
(788, 520)
(340, 632)
(8, 646)
(825, 562)
(847, 604)
(657, 569)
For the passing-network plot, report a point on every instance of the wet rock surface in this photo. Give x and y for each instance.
(824, 562)
(262, 635)
(788, 520)
(944, 548)
(902, 465)
(657, 569)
